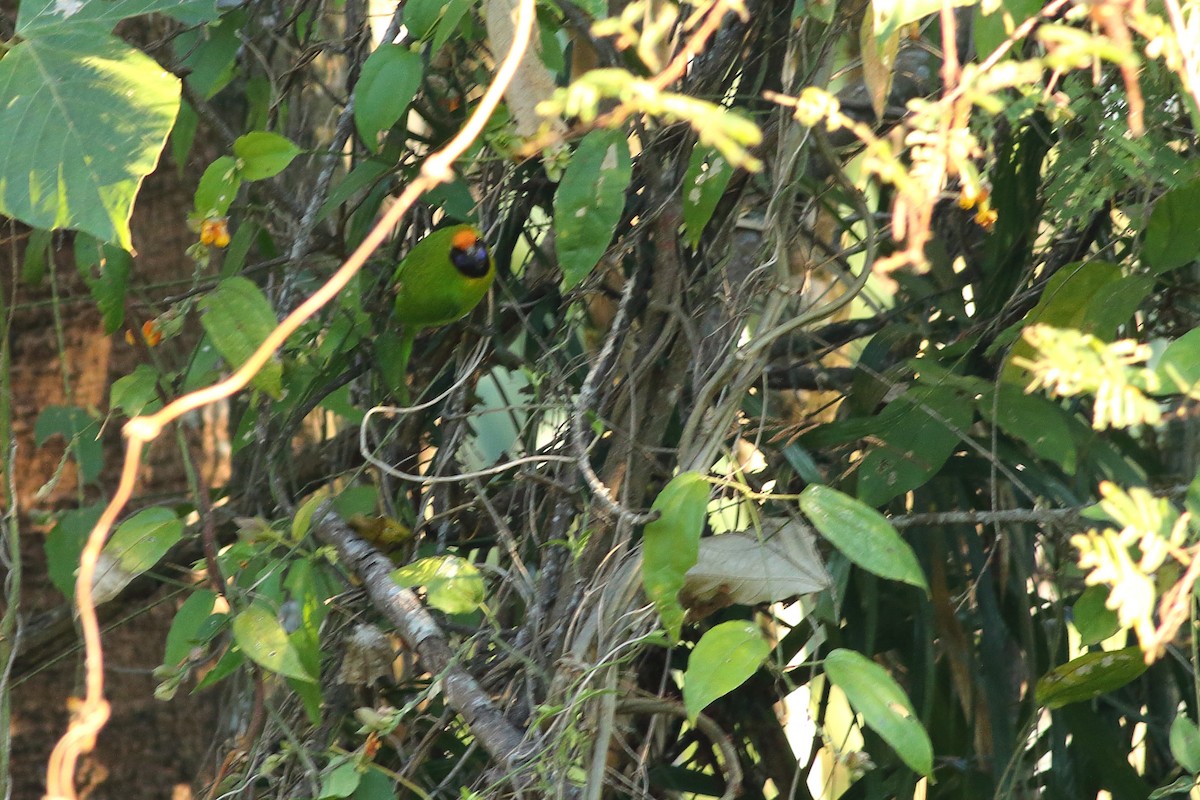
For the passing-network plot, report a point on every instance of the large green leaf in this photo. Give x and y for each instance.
(38, 17)
(1068, 301)
(136, 546)
(133, 392)
(1173, 232)
(65, 542)
(884, 706)
(187, 626)
(260, 636)
(708, 174)
(81, 430)
(263, 154)
(917, 433)
(1040, 423)
(671, 544)
(589, 202)
(1089, 676)
(991, 29)
(724, 658)
(1185, 743)
(1179, 366)
(891, 15)
(140, 541)
(390, 77)
(452, 584)
(85, 117)
(105, 269)
(1094, 620)
(238, 317)
(862, 534)
(209, 54)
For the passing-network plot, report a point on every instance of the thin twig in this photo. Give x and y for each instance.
(1007, 516)
(704, 724)
(587, 396)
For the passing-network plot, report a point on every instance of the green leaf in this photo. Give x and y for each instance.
(724, 658)
(209, 54)
(39, 17)
(389, 80)
(65, 542)
(238, 318)
(263, 154)
(671, 544)
(708, 174)
(589, 202)
(822, 11)
(357, 500)
(862, 534)
(264, 641)
(878, 63)
(1185, 743)
(132, 393)
(140, 541)
(1065, 303)
(1181, 785)
(226, 666)
(1115, 304)
(452, 584)
(1089, 676)
(917, 433)
(892, 15)
(218, 187)
(310, 589)
(80, 429)
(884, 706)
(183, 135)
(448, 24)
(85, 118)
(1173, 231)
(374, 785)
(369, 172)
(37, 253)
(1032, 419)
(302, 521)
(107, 277)
(420, 16)
(992, 30)
(1093, 619)
(1191, 500)
(1179, 366)
(340, 781)
(189, 621)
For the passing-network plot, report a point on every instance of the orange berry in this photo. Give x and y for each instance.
(151, 333)
(986, 217)
(215, 232)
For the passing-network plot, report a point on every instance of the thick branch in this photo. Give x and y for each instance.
(494, 733)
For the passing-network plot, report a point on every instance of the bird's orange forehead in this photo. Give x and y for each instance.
(464, 240)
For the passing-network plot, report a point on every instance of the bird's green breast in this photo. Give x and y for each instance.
(430, 290)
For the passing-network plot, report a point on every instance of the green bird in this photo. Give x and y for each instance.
(442, 278)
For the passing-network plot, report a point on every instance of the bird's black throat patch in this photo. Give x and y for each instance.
(470, 261)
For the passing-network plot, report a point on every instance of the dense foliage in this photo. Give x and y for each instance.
(828, 431)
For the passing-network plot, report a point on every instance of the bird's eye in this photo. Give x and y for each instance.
(471, 261)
